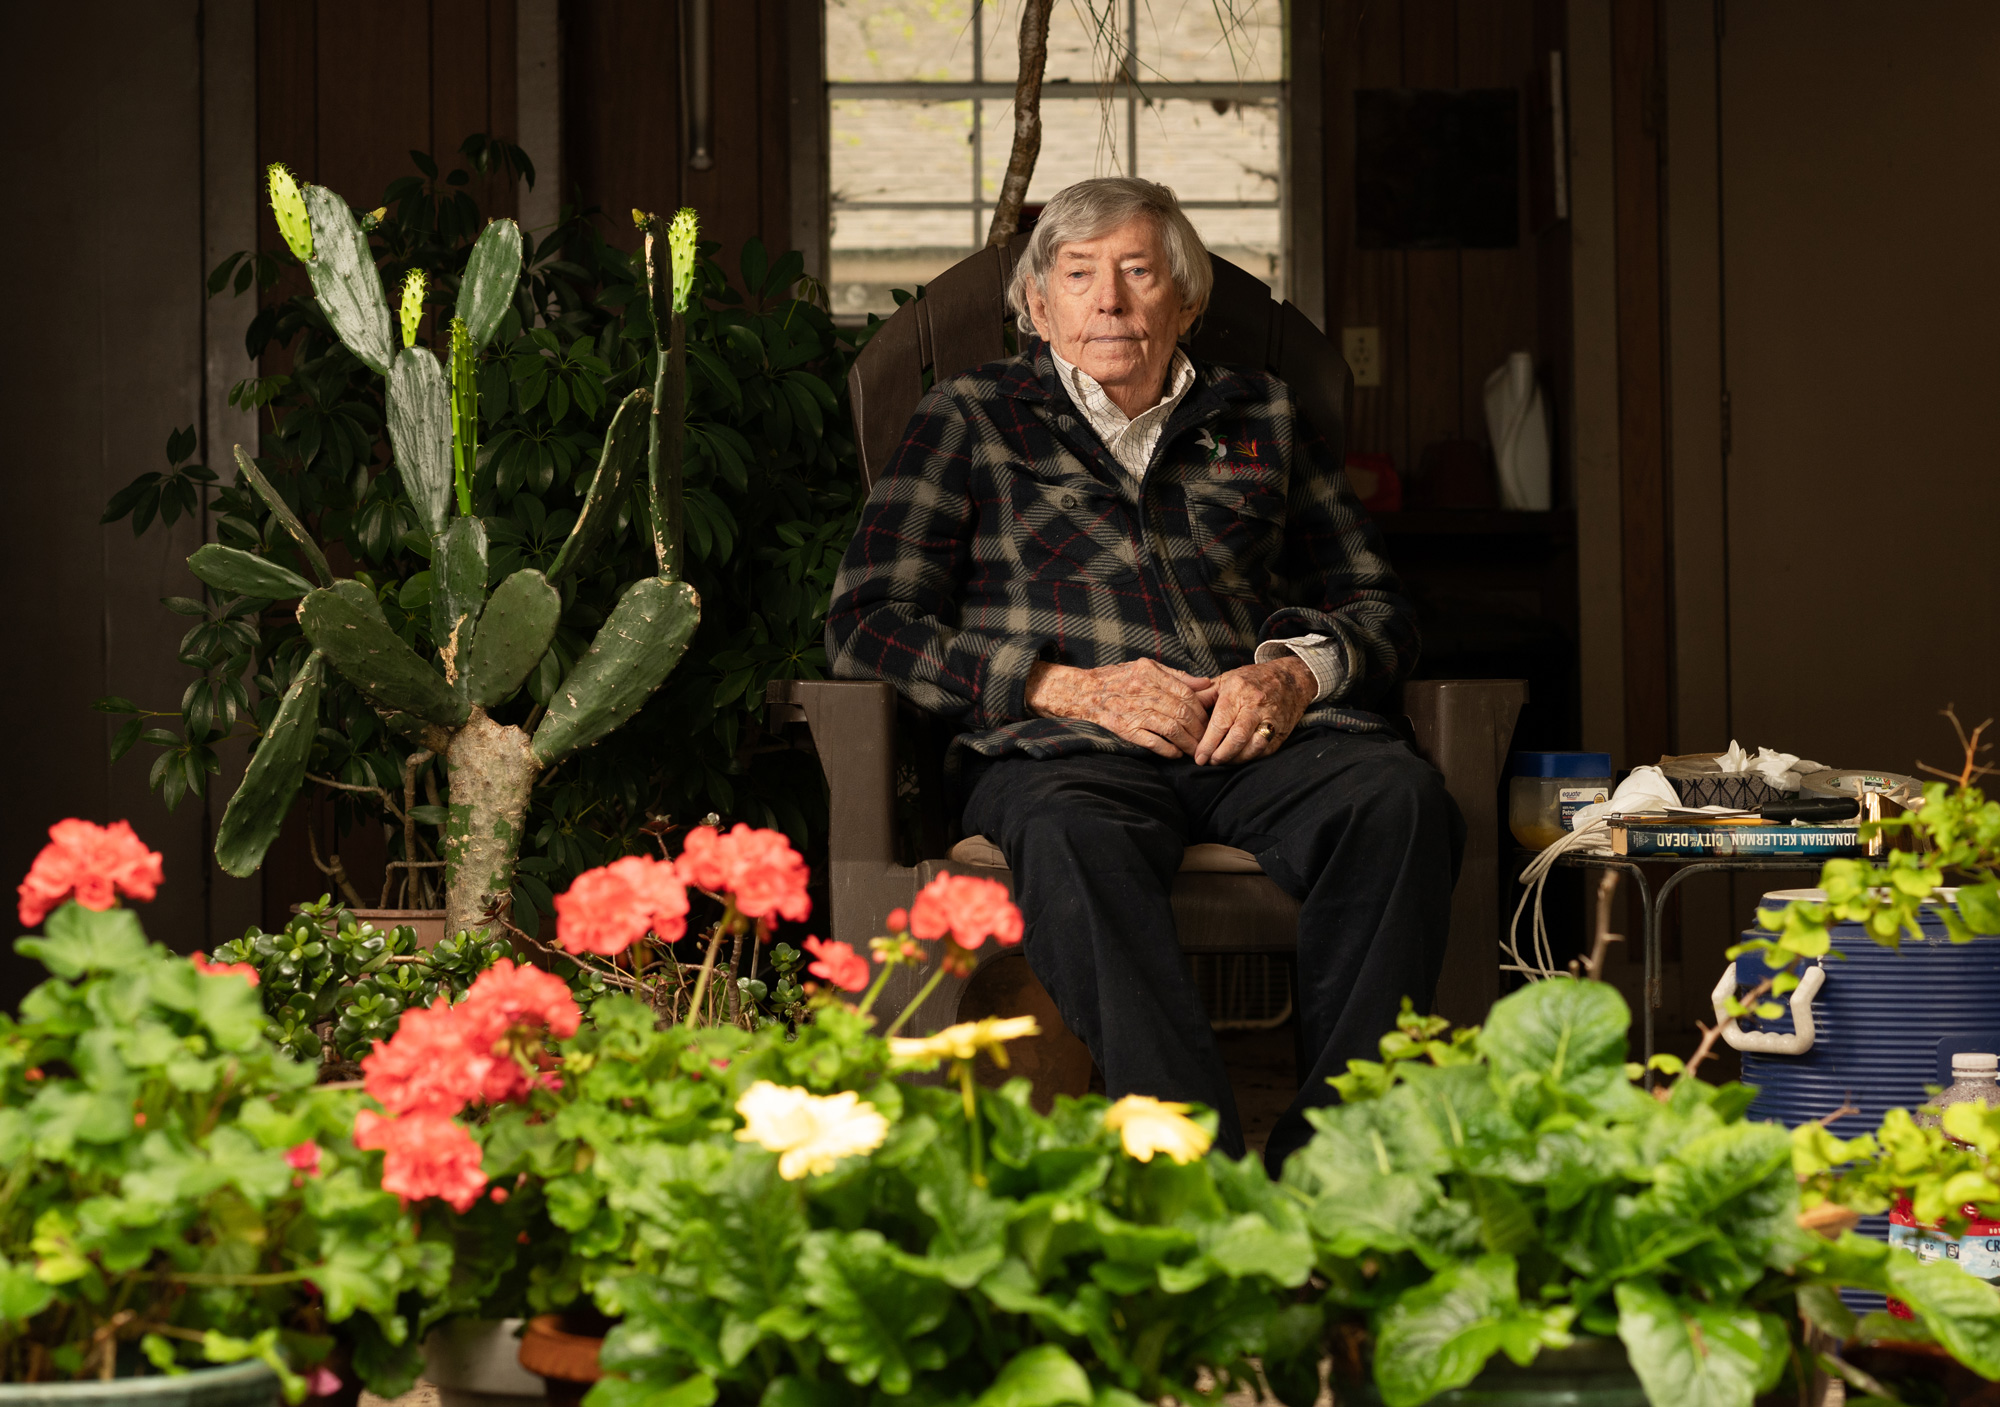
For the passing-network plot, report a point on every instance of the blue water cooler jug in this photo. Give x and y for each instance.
(1869, 1027)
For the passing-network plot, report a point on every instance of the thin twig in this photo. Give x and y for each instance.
(334, 870)
(376, 792)
(1710, 1035)
(735, 992)
(412, 764)
(1972, 771)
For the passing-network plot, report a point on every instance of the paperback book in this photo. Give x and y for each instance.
(1749, 837)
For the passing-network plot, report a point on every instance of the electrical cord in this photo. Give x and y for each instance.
(1533, 879)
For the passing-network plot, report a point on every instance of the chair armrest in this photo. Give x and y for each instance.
(1463, 728)
(853, 725)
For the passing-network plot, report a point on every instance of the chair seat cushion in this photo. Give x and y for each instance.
(1196, 859)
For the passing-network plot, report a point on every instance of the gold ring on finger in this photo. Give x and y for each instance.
(1265, 731)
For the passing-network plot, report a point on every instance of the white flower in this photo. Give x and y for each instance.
(810, 1132)
(1147, 1126)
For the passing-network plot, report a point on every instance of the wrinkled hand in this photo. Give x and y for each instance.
(1277, 692)
(1143, 702)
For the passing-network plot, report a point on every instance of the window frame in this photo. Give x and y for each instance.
(1300, 200)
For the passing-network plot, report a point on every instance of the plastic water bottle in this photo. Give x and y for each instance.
(1975, 1079)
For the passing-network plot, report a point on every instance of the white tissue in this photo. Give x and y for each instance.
(1646, 789)
(1781, 769)
(1518, 425)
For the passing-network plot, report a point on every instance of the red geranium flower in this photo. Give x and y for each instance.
(609, 909)
(970, 910)
(304, 1157)
(91, 864)
(758, 868)
(424, 1155)
(504, 1016)
(839, 964)
(430, 1066)
(223, 969)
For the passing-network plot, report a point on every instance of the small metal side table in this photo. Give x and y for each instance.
(1651, 903)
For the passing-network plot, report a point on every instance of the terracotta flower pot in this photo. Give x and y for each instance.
(248, 1384)
(429, 923)
(566, 1361)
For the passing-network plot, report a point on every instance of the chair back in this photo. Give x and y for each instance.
(961, 322)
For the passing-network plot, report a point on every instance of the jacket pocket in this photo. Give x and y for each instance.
(1238, 531)
(1071, 531)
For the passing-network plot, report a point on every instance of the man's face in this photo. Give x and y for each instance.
(1112, 308)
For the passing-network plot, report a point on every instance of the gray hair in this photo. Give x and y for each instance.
(1090, 209)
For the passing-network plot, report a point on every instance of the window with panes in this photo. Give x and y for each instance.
(921, 106)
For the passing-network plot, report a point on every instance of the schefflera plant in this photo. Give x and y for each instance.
(488, 640)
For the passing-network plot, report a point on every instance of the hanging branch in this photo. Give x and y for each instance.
(1027, 122)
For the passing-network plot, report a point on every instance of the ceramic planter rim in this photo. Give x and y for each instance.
(151, 1387)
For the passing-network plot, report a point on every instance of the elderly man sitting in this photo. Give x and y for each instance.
(1146, 594)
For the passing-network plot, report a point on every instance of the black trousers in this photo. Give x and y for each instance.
(1355, 826)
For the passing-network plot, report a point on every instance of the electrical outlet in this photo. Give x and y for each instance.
(1363, 348)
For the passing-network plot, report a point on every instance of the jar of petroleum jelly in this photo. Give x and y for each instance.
(1548, 788)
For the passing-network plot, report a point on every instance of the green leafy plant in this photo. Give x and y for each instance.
(334, 985)
(1955, 833)
(767, 499)
(176, 1188)
(1512, 1189)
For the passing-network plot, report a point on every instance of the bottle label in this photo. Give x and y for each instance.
(1980, 1255)
(1571, 800)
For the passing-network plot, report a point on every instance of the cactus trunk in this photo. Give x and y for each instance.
(492, 772)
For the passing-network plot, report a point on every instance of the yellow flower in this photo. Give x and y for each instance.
(1147, 1126)
(965, 1040)
(810, 1131)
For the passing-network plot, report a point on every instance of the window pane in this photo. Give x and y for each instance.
(1182, 41)
(897, 41)
(901, 150)
(1209, 155)
(1081, 138)
(1086, 40)
(1250, 239)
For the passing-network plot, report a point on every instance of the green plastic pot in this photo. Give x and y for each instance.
(1593, 1373)
(248, 1384)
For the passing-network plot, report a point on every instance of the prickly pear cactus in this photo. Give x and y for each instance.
(488, 643)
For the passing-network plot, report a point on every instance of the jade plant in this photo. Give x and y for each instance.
(489, 636)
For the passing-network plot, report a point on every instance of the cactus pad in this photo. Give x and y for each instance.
(458, 589)
(420, 434)
(487, 290)
(636, 650)
(514, 633)
(376, 661)
(282, 511)
(245, 573)
(681, 236)
(622, 443)
(255, 813)
(345, 280)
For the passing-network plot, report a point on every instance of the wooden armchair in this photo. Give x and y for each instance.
(1222, 902)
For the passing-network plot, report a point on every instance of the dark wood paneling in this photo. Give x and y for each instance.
(1647, 525)
(373, 64)
(622, 120)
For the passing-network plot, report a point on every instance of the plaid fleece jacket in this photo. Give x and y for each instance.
(1005, 533)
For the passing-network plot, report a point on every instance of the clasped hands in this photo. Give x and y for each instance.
(1174, 714)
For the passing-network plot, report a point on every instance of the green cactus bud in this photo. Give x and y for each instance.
(412, 310)
(680, 244)
(290, 208)
(464, 411)
(644, 221)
